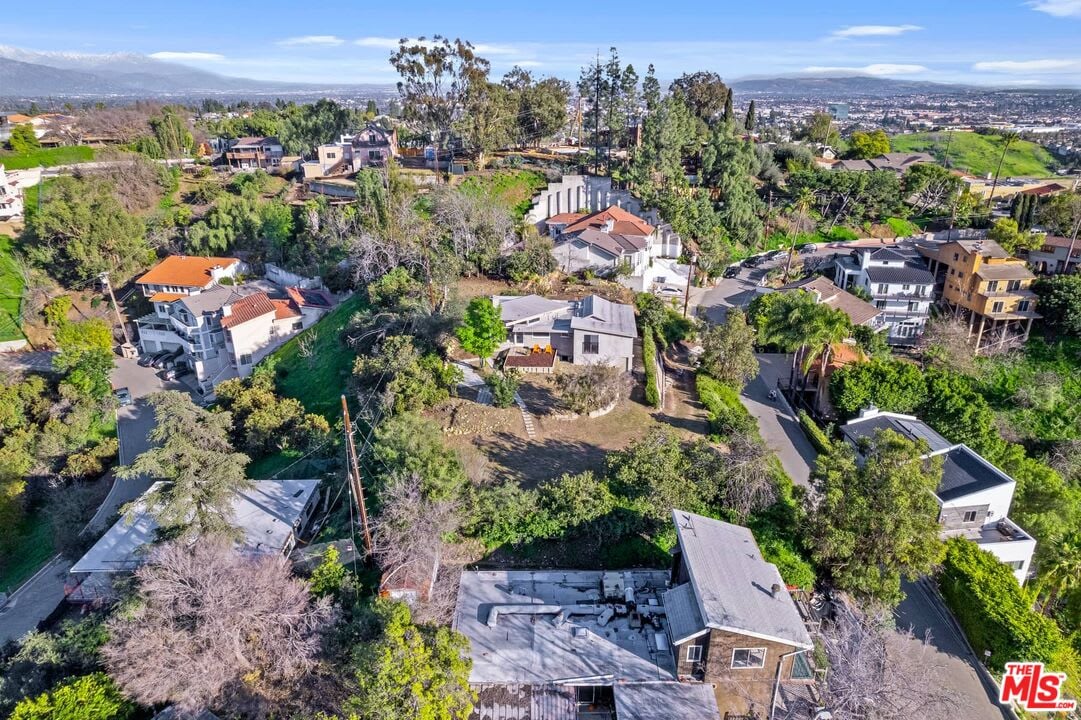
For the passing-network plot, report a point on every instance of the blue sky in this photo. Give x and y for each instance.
(993, 42)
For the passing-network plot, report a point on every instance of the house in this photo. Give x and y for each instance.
(897, 162)
(11, 197)
(899, 285)
(982, 282)
(731, 620)
(604, 240)
(220, 331)
(717, 635)
(271, 517)
(583, 332)
(974, 496)
(251, 153)
(859, 312)
(372, 146)
(1058, 255)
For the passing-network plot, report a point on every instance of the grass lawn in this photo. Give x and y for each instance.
(514, 187)
(979, 153)
(47, 157)
(319, 384)
(11, 292)
(32, 548)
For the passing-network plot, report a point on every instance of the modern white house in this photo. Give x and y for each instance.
(582, 332)
(974, 496)
(215, 327)
(271, 517)
(899, 283)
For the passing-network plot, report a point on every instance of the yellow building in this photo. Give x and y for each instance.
(982, 282)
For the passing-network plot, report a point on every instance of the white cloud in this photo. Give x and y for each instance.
(1058, 8)
(188, 56)
(1049, 65)
(525, 63)
(377, 42)
(485, 49)
(876, 69)
(330, 40)
(874, 30)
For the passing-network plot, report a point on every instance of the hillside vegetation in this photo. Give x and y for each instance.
(47, 157)
(978, 154)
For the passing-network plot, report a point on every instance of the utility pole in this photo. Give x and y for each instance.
(1073, 242)
(690, 278)
(597, 121)
(127, 349)
(354, 476)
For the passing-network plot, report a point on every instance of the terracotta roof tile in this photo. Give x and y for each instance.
(248, 308)
(184, 271)
(284, 309)
(624, 223)
(165, 297)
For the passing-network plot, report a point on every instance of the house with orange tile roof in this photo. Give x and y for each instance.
(603, 241)
(204, 321)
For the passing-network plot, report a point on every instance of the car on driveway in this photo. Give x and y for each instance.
(669, 291)
(730, 272)
(146, 360)
(176, 371)
(123, 396)
(806, 248)
(754, 261)
(774, 255)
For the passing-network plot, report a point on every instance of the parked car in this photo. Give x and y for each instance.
(753, 261)
(731, 271)
(176, 371)
(159, 360)
(775, 254)
(146, 360)
(806, 248)
(123, 396)
(669, 291)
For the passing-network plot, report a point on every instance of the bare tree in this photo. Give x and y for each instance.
(592, 387)
(946, 344)
(216, 629)
(880, 673)
(748, 483)
(480, 229)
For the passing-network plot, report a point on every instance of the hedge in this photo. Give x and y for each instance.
(995, 612)
(727, 415)
(814, 433)
(649, 360)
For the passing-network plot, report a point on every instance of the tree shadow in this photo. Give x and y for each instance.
(530, 462)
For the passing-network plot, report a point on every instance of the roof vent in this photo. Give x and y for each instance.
(774, 589)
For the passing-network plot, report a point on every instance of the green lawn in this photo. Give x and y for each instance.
(979, 154)
(47, 157)
(514, 187)
(320, 383)
(32, 548)
(11, 292)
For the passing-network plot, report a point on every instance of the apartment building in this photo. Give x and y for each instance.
(255, 153)
(981, 282)
(900, 286)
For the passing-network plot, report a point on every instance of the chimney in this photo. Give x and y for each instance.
(609, 225)
(775, 589)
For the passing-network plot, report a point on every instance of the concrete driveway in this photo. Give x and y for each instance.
(779, 427)
(34, 601)
(923, 612)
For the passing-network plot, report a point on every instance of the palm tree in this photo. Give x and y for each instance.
(802, 326)
(802, 204)
(1009, 138)
(1061, 573)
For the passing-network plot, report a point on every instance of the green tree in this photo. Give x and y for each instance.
(504, 386)
(172, 134)
(90, 697)
(729, 114)
(482, 328)
(410, 444)
(534, 260)
(23, 140)
(931, 188)
(328, 575)
(1060, 302)
(56, 310)
(195, 458)
(1012, 239)
(893, 385)
(820, 129)
(728, 164)
(877, 523)
(487, 121)
(796, 321)
(656, 475)
(704, 93)
(728, 350)
(749, 120)
(411, 671)
(81, 230)
(85, 357)
(865, 145)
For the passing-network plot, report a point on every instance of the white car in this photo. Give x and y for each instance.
(123, 396)
(669, 291)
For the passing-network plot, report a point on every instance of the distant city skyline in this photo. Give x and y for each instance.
(998, 43)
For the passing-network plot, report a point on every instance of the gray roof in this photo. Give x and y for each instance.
(901, 274)
(684, 618)
(906, 426)
(514, 309)
(734, 584)
(964, 472)
(612, 243)
(888, 254)
(599, 315)
(542, 626)
(666, 701)
(267, 514)
(1011, 271)
(209, 301)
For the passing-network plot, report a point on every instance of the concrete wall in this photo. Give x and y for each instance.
(580, 193)
(12, 345)
(1013, 551)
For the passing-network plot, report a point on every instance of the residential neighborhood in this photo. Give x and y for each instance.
(445, 370)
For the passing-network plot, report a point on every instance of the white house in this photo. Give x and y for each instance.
(974, 496)
(11, 197)
(583, 332)
(899, 284)
(271, 517)
(372, 146)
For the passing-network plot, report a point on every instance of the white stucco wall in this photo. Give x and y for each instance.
(997, 499)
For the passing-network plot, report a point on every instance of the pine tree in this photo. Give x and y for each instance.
(729, 115)
(748, 124)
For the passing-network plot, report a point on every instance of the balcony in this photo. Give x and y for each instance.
(1003, 531)
(910, 295)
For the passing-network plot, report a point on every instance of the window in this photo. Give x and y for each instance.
(960, 275)
(245, 359)
(1016, 564)
(970, 516)
(880, 304)
(992, 286)
(298, 325)
(906, 288)
(883, 288)
(694, 653)
(331, 156)
(913, 307)
(956, 257)
(749, 657)
(1022, 306)
(1013, 285)
(997, 307)
(591, 344)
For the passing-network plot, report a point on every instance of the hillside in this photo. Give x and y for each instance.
(978, 154)
(840, 87)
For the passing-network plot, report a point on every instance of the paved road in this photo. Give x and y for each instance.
(34, 600)
(923, 612)
(779, 427)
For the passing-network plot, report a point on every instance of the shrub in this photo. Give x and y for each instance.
(902, 227)
(727, 416)
(592, 387)
(842, 234)
(90, 697)
(649, 354)
(504, 386)
(814, 433)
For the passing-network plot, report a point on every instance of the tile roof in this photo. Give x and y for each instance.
(623, 222)
(565, 218)
(858, 311)
(184, 271)
(248, 308)
(166, 297)
(905, 274)
(284, 309)
(1008, 271)
(1062, 242)
(734, 584)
